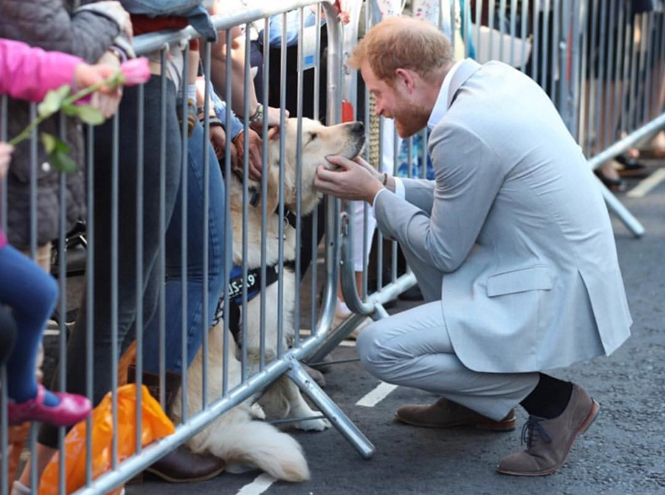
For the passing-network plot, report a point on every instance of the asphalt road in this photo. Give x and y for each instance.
(622, 453)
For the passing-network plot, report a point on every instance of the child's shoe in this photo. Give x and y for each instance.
(71, 409)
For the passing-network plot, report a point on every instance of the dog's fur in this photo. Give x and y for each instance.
(236, 436)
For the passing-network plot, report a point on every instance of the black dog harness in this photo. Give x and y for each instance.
(253, 283)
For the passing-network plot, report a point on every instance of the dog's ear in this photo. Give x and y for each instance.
(273, 133)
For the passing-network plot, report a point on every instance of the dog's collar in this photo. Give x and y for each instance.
(255, 199)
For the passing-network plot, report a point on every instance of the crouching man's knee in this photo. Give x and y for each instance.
(371, 351)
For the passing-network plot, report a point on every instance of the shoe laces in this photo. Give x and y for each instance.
(531, 427)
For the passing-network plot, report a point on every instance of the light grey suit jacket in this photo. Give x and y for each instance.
(517, 225)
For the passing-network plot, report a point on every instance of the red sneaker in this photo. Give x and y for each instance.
(72, 409)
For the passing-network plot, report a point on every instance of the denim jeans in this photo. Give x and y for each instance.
(127, 242)
(31, 293)
(196, 322)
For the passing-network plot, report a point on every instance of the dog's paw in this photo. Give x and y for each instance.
(313, 425)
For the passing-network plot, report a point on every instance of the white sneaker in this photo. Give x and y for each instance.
(342, 312)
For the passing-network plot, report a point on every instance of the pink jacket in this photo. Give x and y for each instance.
(29, 73)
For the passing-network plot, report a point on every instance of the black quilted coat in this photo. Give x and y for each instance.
(52, 25)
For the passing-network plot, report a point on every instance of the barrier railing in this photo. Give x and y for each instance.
(135, 165)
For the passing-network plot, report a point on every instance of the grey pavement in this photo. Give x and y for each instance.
(622, 453)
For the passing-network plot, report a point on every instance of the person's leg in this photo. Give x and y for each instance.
(32, 294)
(126, 277)
(413, 349)
(195, 268)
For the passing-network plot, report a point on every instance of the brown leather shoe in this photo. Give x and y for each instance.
(445, 413)
(180, 465)
(549, 440)
(183, 466)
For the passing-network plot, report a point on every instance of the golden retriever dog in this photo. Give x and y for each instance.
(236, 436)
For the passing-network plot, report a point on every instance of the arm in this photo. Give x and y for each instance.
(29, 73)
(468, 178)
(218, 72)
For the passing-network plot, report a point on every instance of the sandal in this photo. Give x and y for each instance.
(632, 167)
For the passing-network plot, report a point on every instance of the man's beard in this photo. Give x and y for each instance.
(409, 119)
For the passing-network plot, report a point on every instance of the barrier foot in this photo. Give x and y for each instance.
(331, 410)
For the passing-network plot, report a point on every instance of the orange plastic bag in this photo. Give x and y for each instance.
(155, 425)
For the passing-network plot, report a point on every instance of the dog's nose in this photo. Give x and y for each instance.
(358, 129)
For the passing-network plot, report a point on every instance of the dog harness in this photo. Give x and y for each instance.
(253, 283)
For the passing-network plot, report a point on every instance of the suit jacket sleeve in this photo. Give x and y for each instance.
(468, 176)
(420, 193)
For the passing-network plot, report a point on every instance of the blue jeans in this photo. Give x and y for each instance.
(31, 293)
(196, 322)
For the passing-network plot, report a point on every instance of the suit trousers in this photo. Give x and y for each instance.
(413, 349)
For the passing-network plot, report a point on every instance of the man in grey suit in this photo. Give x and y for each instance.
(511, 245)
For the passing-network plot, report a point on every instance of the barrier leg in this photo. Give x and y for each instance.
(350, 431)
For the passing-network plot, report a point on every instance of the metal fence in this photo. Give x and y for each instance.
(602, 64)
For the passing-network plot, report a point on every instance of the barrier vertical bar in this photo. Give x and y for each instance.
(264, 194)
(114, 284)
(184, 164)
(90, 296)
(161, 257)
(140, 181)
(205, 309)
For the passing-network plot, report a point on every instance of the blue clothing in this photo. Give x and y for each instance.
(220, 108)
(31, 293)
(196, 13)
(292, 27)
(197, 145)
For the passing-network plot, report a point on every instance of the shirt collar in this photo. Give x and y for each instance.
(441, 105)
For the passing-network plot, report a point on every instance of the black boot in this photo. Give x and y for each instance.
(180, 465)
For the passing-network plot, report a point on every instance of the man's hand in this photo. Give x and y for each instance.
(353, 180)
(255, 152)
(218, 140)
(5, 157)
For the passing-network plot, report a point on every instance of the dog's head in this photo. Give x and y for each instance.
(318, 142)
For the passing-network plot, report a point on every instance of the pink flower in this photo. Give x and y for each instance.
(135, 71)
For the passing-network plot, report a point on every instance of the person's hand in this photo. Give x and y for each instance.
(353, 180)
(107, 101)
(218, 140)
(88, 75)
(117, 12)
(5, 158)
(255, 153)
(274, 116)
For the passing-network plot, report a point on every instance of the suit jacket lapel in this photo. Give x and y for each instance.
(463, 72)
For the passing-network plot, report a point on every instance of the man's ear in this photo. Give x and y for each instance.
(406, 77)
(273, 133)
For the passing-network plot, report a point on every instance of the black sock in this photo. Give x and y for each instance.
(549, 398)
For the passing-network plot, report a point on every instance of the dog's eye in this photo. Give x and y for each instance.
(312, 136)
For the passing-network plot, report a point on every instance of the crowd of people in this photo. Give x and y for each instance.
(531, 285)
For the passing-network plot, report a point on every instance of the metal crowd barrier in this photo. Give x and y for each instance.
(574, 49)
(288, 360)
